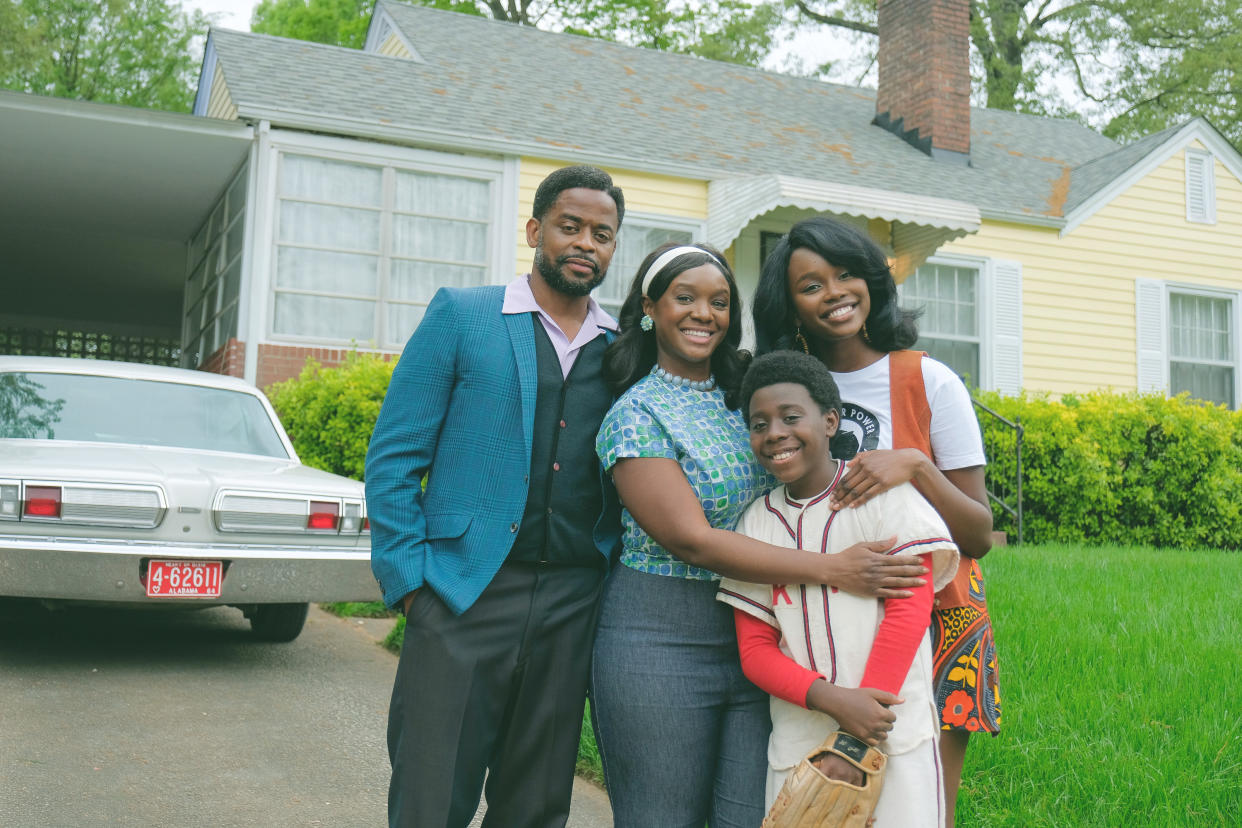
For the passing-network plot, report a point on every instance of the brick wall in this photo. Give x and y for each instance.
(229, 359)
(276, 362)
(924, 69)
(280, 362)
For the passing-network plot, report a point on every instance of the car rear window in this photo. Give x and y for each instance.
(47, 406)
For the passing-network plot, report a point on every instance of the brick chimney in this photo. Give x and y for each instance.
(924, 88)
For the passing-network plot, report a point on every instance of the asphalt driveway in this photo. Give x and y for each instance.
(156, 719)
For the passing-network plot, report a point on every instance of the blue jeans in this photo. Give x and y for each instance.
(682, 733)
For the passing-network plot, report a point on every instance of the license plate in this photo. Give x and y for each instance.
(184, 579)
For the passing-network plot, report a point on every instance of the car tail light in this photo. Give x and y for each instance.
(42, 502)
(10, 501)
(351, 520)
(323, 516)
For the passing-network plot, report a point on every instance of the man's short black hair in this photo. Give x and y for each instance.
(791, 366)
(569, 178)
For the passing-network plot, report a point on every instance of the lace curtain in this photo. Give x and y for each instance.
(361, 250)
(634, 242)
(949, 326)
(1201, 347)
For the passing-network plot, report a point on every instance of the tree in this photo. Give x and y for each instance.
(338, 22)
(1142, 64)
(1184, 62)
(25, 414)
(134, 52)
(732, 30)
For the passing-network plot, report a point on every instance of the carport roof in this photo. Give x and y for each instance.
(98, 203)
(112, 168)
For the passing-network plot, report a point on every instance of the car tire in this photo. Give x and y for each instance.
(278, 622)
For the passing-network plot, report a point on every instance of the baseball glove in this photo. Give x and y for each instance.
(809, 799)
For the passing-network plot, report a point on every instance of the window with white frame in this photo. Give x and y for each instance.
(1187, 340)
(1200, 187)
(949, 329)
(214, 281)
(362, 248)
(639, 235)
(972, 318)
(1202, 357)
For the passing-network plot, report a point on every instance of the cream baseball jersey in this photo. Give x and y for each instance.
(830, 631)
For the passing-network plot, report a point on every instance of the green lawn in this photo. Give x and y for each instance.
(1120, 678)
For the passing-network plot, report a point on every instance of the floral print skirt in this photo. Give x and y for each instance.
(965, 675)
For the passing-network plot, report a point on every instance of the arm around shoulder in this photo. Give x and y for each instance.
(658, 496)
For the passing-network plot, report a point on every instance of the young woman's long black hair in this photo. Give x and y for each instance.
(889, 327)
(630, 356)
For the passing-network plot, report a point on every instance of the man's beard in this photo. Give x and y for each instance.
(554, 275)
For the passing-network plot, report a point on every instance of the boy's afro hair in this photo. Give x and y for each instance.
(791, 366)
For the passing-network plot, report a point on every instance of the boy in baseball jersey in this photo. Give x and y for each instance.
(832, 660)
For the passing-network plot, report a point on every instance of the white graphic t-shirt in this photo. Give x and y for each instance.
(866, 414)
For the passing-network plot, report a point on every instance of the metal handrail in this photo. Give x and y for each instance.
(1013, 509)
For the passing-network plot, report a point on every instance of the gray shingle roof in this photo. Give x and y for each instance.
(571, 97)
(1098, 173)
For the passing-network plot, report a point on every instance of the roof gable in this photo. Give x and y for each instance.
(1107, 177)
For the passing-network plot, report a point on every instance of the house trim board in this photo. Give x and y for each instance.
(263, 174)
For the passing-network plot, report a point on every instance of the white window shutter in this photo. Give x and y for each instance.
(1200, 188)
(1152, 321)
(1005, 334)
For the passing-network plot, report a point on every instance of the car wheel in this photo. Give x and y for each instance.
(278, 622)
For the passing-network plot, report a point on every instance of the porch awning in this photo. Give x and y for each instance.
(920, 224)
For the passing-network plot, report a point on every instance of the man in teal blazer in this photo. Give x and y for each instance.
(498, 564)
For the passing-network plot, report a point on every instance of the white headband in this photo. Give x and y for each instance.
(666, 258)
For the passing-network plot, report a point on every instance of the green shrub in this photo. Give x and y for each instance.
(358, 609)
(1128, 468)
(331, 412)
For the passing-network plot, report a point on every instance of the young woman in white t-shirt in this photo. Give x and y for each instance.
(827, 290)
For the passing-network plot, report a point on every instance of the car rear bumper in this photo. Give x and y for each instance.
(83, 570)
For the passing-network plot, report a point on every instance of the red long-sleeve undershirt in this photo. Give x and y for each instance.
(896, 642)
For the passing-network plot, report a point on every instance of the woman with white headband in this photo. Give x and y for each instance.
(683, 734)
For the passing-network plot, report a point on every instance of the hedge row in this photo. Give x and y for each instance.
(1097, 468)
(1134, 469)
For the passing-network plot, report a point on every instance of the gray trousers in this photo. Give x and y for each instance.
(496, 691)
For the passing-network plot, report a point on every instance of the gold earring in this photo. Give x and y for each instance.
(866, 338)
(801, 340)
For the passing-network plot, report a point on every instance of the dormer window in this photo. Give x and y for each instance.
(1200, 187)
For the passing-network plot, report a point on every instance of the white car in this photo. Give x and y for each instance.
(135, 484)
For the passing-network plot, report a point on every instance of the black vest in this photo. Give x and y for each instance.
(566, 496)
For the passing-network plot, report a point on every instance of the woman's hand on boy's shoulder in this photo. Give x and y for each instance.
(875, 472)
(867, 569)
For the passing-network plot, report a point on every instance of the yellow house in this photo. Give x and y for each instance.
(351, 184)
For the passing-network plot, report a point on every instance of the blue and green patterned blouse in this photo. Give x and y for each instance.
(657, 419)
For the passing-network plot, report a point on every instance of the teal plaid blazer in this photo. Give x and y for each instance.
(460, 410)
